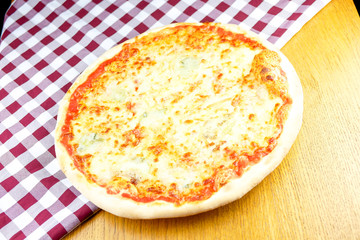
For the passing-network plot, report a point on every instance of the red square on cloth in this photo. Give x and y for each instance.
(57, 232)
(6, 135)
(3, 93)
(60, 50)
(25, 121)
(48, 103)
(46, 40)
(14, 44)
(50, 181)
(40, 6)
(21, 79)
(157, 14)
(9, 183)
(18, 150)
(33, 93)
(67, 197)
(27, 201)
(43, 216)
(8, 68)
(189, 11)
(40, 133)
(34, 30)
(34, 166)
(4, 220)
(274, 10)
(222, 7)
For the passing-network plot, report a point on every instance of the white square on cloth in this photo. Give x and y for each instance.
(31, 42)
(110, 20)
(125, 29)
(30, 105)
(24, 66)
(224, 18)
(44, 118)
(25, 9)
(127, 6)
(6, 202)
(62, 214)
(205, 9)
(29, 183)
(13, 167)
(276, 21)
(53, 167)
(51, 89)
(22, 134)
(37, 149)
(258, 13)
(23, 219)
(292, 6)
(47, 199)
(9, 121)
(17, 93)
(37, 234)
(157, 4)
(174, 13)
(44, 51)
(96, 10)
(10, 58)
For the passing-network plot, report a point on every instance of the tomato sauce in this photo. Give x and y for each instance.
(208, 186)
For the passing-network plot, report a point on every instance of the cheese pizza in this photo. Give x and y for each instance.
(178, 120)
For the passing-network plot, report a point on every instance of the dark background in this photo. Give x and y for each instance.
(4, 5)
(357, 5)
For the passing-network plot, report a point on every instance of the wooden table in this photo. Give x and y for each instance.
(315, 192)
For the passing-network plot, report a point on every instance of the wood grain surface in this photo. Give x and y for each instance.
(315, 192)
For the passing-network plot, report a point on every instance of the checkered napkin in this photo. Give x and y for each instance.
(44, 46)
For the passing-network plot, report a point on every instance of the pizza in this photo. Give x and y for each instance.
(179, 120)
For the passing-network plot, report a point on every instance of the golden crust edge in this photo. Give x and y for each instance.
(232, 191)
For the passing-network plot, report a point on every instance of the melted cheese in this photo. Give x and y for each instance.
(168, 113)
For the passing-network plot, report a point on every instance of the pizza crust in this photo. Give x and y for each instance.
(232, 191)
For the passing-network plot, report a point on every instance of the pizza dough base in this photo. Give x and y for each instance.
(230, 192)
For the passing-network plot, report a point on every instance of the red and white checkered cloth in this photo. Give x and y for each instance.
(44, 46)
